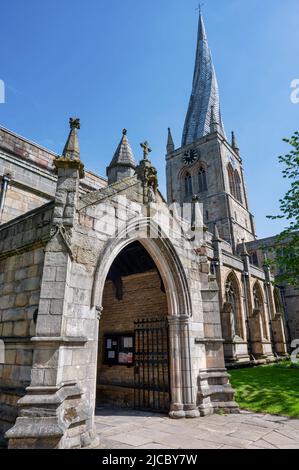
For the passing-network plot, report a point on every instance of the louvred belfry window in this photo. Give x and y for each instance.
(188, 185)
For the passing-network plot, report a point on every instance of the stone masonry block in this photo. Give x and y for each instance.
(21, 328)
(52, 290)
(49, 273)
(21, 300)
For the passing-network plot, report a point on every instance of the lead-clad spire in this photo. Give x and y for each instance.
(205, 93)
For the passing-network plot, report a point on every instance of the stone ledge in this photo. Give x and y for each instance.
(41, 427)
(208, 340)
(60, 340)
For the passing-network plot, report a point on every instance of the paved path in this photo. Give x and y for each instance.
(126, 429)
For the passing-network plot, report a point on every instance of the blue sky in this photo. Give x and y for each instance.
(129, 63)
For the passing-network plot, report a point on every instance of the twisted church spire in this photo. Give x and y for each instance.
(204, 98)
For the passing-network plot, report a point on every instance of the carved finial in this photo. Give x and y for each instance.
(74, 123)
(125, 131)
(146, 149)
(235, 144)
(216, 236)
(244, 251)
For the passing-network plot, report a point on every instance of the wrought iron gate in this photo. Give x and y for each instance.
(151, 372)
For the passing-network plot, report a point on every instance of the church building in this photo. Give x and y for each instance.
(109, 296)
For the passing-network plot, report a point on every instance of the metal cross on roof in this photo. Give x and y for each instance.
(200, 5)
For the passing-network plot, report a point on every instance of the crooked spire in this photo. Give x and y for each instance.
(123, 163)
(205, 93)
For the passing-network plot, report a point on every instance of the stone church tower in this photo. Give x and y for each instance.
(207, 164)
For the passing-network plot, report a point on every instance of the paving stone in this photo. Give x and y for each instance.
(186, 442)
(278, 439)
(250, 431)
(294, 423)
(131, 438)
(292, 433)
(275, 418)
(290, 446)
(260, 423)
(262, 444)
(154, 445)
(108, 444)
(248, 434)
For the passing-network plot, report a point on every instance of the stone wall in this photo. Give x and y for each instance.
(32, 175)
(18, 201)
(143, 299)
(21, 266)
(20, 284)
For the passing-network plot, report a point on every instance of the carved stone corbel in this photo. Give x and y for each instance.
(99, 310)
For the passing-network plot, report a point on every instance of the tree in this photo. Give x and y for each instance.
(287, 243)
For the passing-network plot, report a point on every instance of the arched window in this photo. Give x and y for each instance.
(258, 302)
(235, 185)
(202, 180)
(232, 296)
(188, 185)
(238, 186)
(231, 179)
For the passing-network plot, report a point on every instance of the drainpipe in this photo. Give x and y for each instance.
(4, 185)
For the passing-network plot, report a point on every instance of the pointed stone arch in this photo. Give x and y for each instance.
(173, 274)
(165, 257)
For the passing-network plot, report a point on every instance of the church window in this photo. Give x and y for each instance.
(231, 179)
(202, 180)
(188, 185)
(238, 190)
(254, 259)
(235, 183)
(232, 296)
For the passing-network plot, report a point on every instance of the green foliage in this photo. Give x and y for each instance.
(268, 389)
(287, 243)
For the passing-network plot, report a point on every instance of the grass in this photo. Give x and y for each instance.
(268, 389)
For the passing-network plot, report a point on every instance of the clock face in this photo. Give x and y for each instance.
(190, 157)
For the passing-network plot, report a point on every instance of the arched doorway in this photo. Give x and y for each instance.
(172, 268)
(133, 346)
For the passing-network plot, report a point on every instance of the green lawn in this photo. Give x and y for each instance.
(268, 389)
